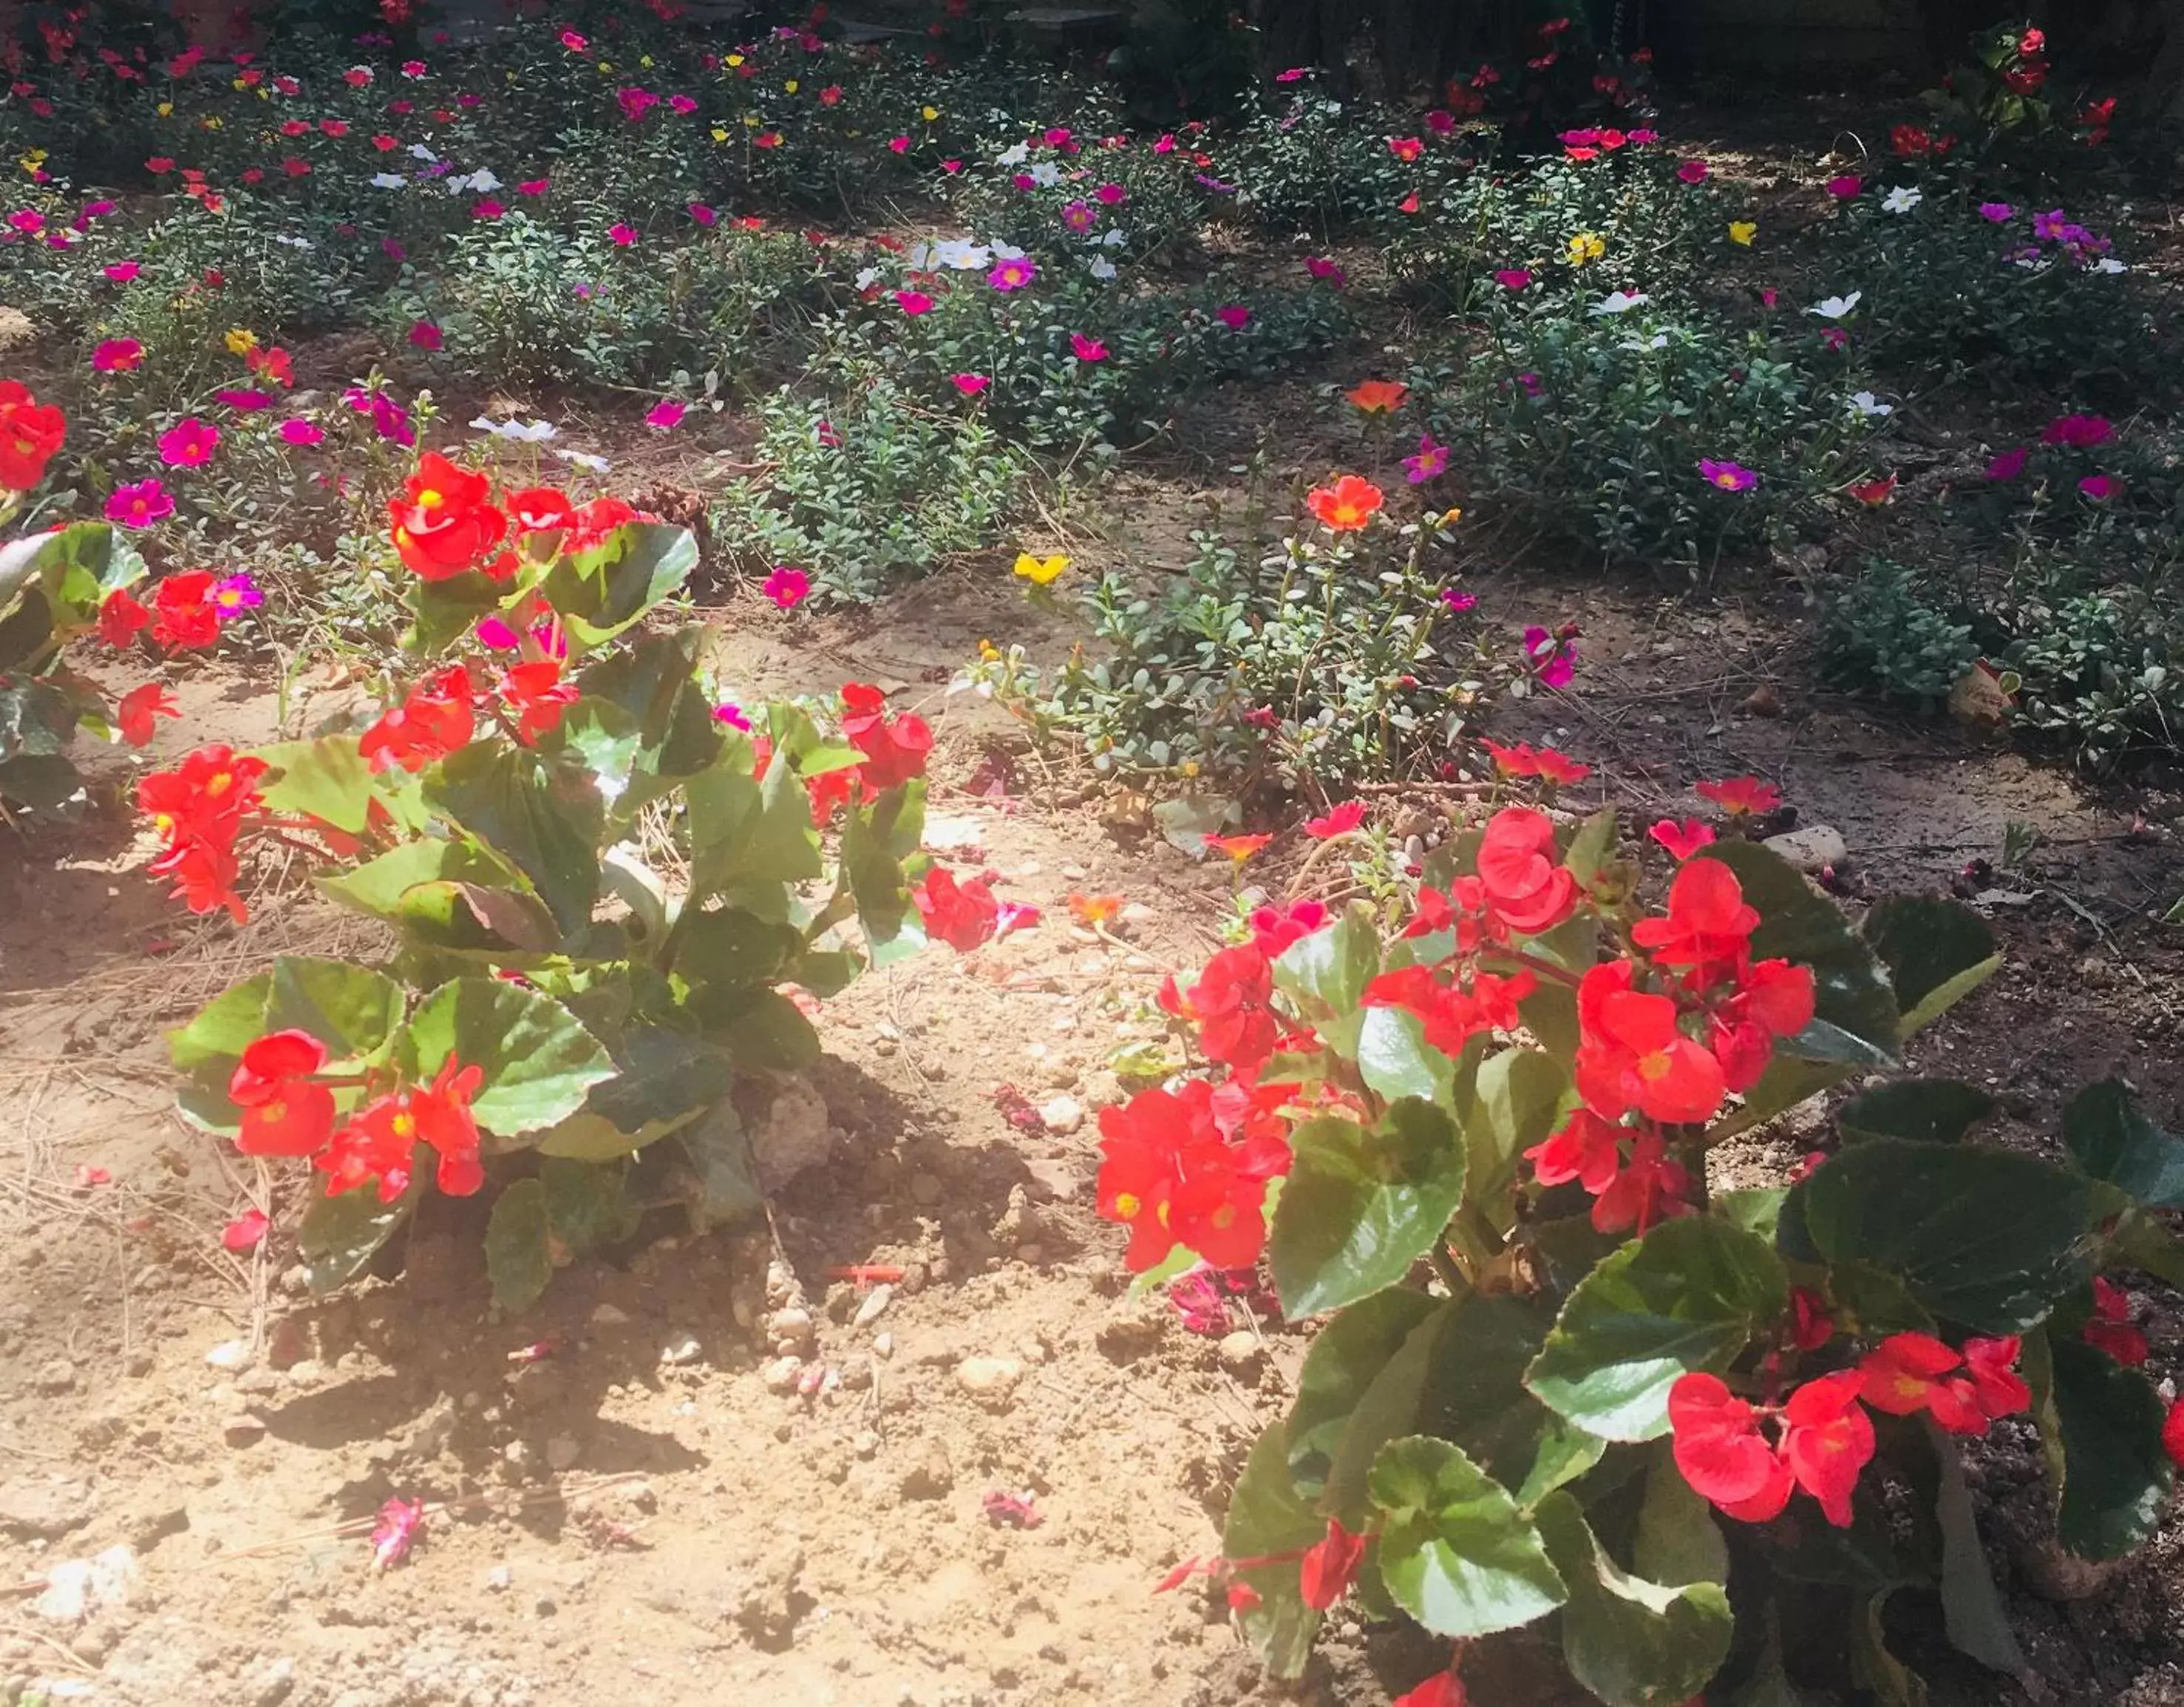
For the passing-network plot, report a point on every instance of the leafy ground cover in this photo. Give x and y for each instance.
(727, 555)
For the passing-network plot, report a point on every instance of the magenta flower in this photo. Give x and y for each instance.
(28, 220)
(1111, 195)
(623, 235)
(139, 505)
(1013, 273)
(247, 399)
(1458, 601)
(683, 104)
(970, 384)
(1552, 657)
(2078, 432)
(487, 210)
(117, 356)
(1326, 270)
(899, 145)
(1844, 188)
(1693, 172)
(1087, 348)
(534, 186)
(1512, 278)
(2100, 487)
(729, 712)
(1295, 74)
(189, 444)
(2007, 465)
(1235, 316)
(98, 210)
(787, 587)
(1642, 138)
(913, 303)
(235, 594)
(496, 635)
(1431, 460)
(425, 335)
(1730, 476)
(301, 433)
(1079, 217)
(1835, 338)
(1997, 213)
(665, 414)
(122, 271)
(704, 215)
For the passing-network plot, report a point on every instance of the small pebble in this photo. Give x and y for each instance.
(780, 1375)
(876, 1303)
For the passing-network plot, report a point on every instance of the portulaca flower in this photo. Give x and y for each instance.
(1658, 341)
(1902, 199)
(1836, 307)
(2108, 263)
(1045, 173)
(519, 432)
(418, 151)
(1102, 268)
(584, 460)
(1866, 404)
(1619, 302)
(390, 181)
(1114, 239)
(867, 278)
(1016, 156)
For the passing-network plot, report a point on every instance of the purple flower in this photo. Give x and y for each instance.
(1997, 213)
(1730, 476)
(2077, 432)
(139, 505)
(2048, 226)
(2009, 465)
(1431, 460)
(2100, 487)
(235, 594)
(1552, 657)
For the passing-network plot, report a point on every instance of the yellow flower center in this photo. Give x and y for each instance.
(1128, 1205)
(1653, 1067)
(219, 784)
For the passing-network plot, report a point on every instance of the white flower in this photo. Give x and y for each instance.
(292, 242)
(1016, 156)
(1866, 404)
(959, 252)
(1835, 307)
(518, 432)
(1658, 341)
(389, 181)
(482, 179)
(418, 151)
(1007, 251)
(1045, 173)
(866, 279)
(1619, 302)
(1114, 239)
(1902, 199)
(596, 464)
(2032, 262)
(2108, 263)
(1102, 268)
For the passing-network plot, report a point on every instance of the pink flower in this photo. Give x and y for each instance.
(189, 444)
(534, 186)
(704, 215)
(1769, 296)
(1844, 188)
(1326, 270)
(244, 398)
(664, 414)
(1431, 460)
(913, 303)
(729, 712)
(1087, 348)
(1553, 657)
(425, 335)
(2078, 432)
(2009, 465)
(139, 505)
(683, 104)
(1835, 338)
(899, 145)
(303, 432)
(1693, 172)
(970, 384)
(1458, 600)
(623, 235)
(487, 210)
(1013, 273)
(574, 42)
(1079, 217)
(1642, 138)
(1512, 278)
(122, 271)
(788, 588)
(117, 356)
(1235, 316)
(1111, 195)
(2100, 487)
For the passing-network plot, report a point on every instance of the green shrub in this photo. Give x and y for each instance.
(1881, 633)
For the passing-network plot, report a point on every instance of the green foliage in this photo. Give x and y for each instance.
(1332, 659)
(1881, 633)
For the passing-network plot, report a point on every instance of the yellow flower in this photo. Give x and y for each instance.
(240, 84)
(719, 135)
(1586, 246)
(214, 123)
(751, 120)
(605, 70)
(989, 653)
(791, 86)
(1449, 517)
(165, 110)
(1040, 572)
(241, 342)
(735, 60)
(928, 113)
(646, 60)
(1742, 231)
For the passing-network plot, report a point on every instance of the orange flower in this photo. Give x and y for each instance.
(1378, 396)
(1238, 848)
(1346, 506)
(1091, 909)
